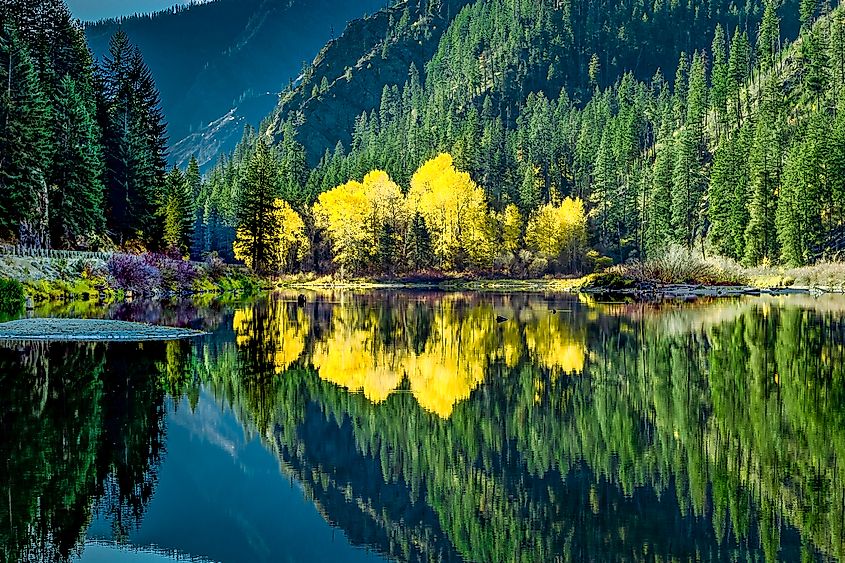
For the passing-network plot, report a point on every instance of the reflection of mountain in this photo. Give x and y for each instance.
(721, 441)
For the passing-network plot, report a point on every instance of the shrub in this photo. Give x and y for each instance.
(215, 267)
(12, 297)
(129, 272)
(612, 280)
(176, 273)
(678, 265)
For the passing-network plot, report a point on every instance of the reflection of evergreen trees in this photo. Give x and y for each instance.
(82, 426)
(720, 440)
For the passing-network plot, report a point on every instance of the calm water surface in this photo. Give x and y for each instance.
(414, 427)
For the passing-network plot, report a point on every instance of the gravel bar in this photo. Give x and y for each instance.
(79, 330)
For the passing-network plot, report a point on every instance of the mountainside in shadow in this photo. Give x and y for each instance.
(221, 65)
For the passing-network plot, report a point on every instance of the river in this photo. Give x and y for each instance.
(426, 426)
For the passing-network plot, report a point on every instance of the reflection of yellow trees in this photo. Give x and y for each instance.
(350, 357)
(555, 343)
(361, 355)
(283, 332)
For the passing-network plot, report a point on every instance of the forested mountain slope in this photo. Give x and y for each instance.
(466, 51)
(222, 64)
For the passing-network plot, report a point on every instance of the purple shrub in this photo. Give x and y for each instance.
(176, 273)
(133, 273)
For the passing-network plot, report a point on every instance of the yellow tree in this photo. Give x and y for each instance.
(345, 214)
(362, 220)
(389, 219)
(559, 232)
(455, 211)
(511, 228)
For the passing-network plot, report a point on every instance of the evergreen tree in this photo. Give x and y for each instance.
(768, 39)
(256, 222)
(765, 178)
(134, 142)
(25, 148)
(420, 253)
(178, 210)
(728, 194)
(76, 188)
(719, 76)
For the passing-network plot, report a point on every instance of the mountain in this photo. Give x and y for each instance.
(221, 65)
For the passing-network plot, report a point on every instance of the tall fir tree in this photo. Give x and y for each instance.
(25, 147)
(259, 189)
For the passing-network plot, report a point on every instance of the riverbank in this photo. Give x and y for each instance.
(620, 281)
(122, 277)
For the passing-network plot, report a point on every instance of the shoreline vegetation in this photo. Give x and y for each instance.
(677, 274)
(27, 281)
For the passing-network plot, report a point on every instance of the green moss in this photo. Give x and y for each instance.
(613, 281)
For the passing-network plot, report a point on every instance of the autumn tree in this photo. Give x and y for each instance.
(559, 232)
(455, 210)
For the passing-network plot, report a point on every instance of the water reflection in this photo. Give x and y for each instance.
(426, 430)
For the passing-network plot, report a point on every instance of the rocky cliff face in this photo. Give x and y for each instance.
(348, 76)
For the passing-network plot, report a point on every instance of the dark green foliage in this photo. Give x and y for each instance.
(134, 143)
(67, 136)
(25, 145)
(76, 188)
(178, 210)
(12, 296)
(256, 222)
(420, 254)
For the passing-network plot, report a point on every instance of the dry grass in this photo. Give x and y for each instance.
(680, 266)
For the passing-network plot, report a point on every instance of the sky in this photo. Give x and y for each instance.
(98, 9)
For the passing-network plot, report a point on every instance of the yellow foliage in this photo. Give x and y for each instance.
(511, 228)
(554, 343)
(344, 213)
(284, 331)
(352, 213)
(558, 230)
(455, 211)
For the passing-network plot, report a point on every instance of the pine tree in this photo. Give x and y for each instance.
(420, 253)
(768, 39)
(765, 178)
(76, 188)
(659, 204)
(719, 77)
(728, 194)
(738, 69)
(134, 138)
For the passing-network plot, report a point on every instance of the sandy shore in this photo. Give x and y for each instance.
(78, 330)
